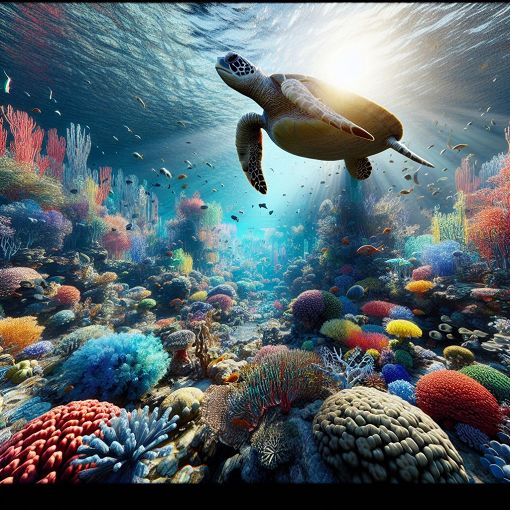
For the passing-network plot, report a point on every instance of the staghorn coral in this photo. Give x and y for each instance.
(458, 357)
(378, 309)
(448, 397)
(365, 435)
(18, 333)
(67, 295)
(120, 366)
(130, 439)
(44, 450)
(494, 380)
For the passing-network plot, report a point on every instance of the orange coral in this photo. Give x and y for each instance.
(67, 295)
(419, 286)
(18, 333)
(161, 323)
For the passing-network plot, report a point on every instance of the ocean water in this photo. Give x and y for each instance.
(172, 259)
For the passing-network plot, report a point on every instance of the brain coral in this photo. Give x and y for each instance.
(339, 329)
(67, 295)
(365, 435)
(378, 309)
(308, 307)
(419, 286)
(11, 277)
(494, 380)
(448, 397)
(44, 450)
(403, 329)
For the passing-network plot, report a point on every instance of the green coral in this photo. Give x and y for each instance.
(415, 244)
(339, 329)
(371, 284)
(146, 304)
(403, 358)
(494, 380)
(332, 306)
(307, 345)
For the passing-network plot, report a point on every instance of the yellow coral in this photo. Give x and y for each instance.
(186, 265)
(458, 356)
(18, 333)
(104, 278)
(419, 286)
(200, 295)
(374, 353)
(403, 329)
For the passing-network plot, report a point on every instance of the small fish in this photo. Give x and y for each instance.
(181, 176)
(443, 179)
(271, 212)
(445, 169)
(170, 253)
(183, 123)
(184, 186)
(188, 162)
(493, 122)
(345, 241)
(129, 181)
(88, 82)
(140, 100)
(157, 185)
(129, 226)
(436, 192)
(165, 172)
(51, 93)
(408, 177)
(263, 206)
(415, 178)
(114, 229)
(7, 86)
(368, 249)
(26, 93)
(36, 110)
(204, 207)
(58, 113)
(115, 138)
(137, 155)
(442, 152)
(134, 216)
(459, 146)
(129, 130)
(138, 136)
(430, 146)
(406, 191)
(209, 164)
(235, 218)
(387, 230)
(74, 191)
(488, 109)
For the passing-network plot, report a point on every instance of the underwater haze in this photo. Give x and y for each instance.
(245, 243)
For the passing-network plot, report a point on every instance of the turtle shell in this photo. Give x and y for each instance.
(296, 132)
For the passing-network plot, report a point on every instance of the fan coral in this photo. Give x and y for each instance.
(471, 436)
(37, 350)
(419, 286)
(365, 435)
(117, 366)
(403, 389)
(378, 309)
(402, 357)
(11, 277)
(224, 302)
(403, 329)
(339, 329)
(18, 333)
(393, 372)
(422, 273)
(494, 380)
(279, 381)
(308, 307)
(118, 456)
(44, 450)
(458, 356)
(200, 295)
(401, 312)
(448, 396)
(67, 295)
(366, 341)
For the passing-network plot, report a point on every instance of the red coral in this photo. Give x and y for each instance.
(11, 277)
(191, 207)
(379, 309)
(365, 340)
(116, 241)
(56, 150)
(3, 138)
(105, 184)
(448, 396)
(67, 295)
(268, 350)
(222, 300)
(43, 451)
(422, 273)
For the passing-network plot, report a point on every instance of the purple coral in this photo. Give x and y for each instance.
(472, 436)
(37, 350)
(308, 306)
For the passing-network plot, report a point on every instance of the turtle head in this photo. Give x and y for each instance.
(237, 72)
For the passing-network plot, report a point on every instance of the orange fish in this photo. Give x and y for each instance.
(345, 241)
(233, 377)
(181, 176)
(36, 110)
(368, 249)
(417, 312)
(333, 290)
(387, 230)
(176, 303)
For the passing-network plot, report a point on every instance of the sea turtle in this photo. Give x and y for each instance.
(309, 118)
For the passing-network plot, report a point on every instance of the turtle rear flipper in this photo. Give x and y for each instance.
(249, 149)
(359, 168)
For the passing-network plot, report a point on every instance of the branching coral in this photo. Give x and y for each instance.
(18, 333)
(131, 438)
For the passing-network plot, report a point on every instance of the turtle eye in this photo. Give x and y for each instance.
(231, 57)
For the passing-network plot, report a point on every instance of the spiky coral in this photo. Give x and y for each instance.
(366, 341)
(67, 295)
(44, 450)
(17, 333)
(403, 389)
(378, 309)
(494, 380)
(339, 329)
(130, 439)
(403, 329)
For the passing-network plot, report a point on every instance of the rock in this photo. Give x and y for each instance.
(185, 402)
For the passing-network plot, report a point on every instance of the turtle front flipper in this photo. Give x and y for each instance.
(295, 91)
(359, 168)
(249, 149)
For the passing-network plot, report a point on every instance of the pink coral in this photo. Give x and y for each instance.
(67, 295)
(268, 350)
(11, 277)
(366, 340)
(222, 300)
(378, 309)
(191, 207)
(422, 273)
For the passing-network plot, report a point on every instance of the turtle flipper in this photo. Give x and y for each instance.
(359, 168)
(295, 91)
(249, 149)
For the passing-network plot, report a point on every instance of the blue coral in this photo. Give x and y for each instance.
(343, 282)
(61, 319)
(393, 372)
(401, 312)
(130, 440)
(440, 257)
(472, 436)
(115, 366)
(373, 328)
(29, 410)
(403, 389)
(348, 306)
(37, 350)
(496, 457)
(356, 292)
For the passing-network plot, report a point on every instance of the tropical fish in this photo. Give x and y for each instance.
(137, 155)
(459, 147)
(36, 110)
(345, 241)
(140, 100)
(387, 230)
(406, 191)
(235, 218)
(7, 86)
(263, 206)
(368, 249)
